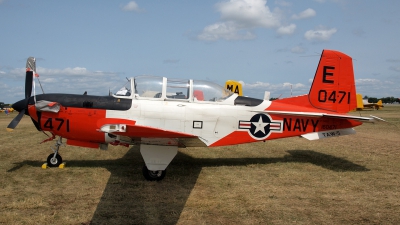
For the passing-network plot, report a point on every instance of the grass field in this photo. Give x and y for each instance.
(353, 179)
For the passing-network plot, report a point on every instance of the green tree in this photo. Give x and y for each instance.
(372, 100)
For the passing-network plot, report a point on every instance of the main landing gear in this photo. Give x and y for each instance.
(157, 158)
(54, 159)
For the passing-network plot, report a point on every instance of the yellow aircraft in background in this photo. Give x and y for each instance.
(363, 104)
(236, 87)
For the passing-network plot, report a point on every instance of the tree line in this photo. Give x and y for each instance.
(389, 100)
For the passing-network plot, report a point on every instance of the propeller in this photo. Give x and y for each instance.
(22, 105)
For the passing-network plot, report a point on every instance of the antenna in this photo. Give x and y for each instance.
(291, 91)
(40, 84)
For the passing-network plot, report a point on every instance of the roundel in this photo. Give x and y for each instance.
(260, 126)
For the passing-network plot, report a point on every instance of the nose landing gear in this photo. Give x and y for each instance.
(54, 159)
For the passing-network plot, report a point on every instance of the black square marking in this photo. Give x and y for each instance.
(197, 124)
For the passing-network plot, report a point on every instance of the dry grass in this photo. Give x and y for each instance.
(348, 180)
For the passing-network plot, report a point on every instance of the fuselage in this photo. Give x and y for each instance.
(84, 120)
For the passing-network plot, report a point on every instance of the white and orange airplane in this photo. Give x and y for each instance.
(162, 114)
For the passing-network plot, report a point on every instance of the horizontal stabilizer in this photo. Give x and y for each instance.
(328, 134)
(316, 114)
(377, 118)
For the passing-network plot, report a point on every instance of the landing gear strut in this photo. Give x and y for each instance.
(156, 158)
(54, 159)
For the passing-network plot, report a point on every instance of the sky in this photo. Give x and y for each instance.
(269, 45)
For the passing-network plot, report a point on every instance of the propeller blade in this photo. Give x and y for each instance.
(30, 69)
(28, 84)
(15, 121)
(22, 106)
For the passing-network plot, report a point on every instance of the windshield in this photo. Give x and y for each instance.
(208, 91)
(149, 86)
(124, 90)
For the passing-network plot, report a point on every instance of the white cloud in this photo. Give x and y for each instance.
(285, 30)
(248, 13)
(320, 34)
(305, 14)
(227, 31)
(258, 89)
(366, 81)
(68, 80)
(131, 6)
(239, 17)
(376, 87)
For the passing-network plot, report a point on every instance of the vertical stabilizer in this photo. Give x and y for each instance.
(360, 104)
(333, 87)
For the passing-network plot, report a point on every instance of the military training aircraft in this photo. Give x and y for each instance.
(161, 114)
(364, 104)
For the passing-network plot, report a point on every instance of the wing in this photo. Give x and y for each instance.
(139, 131)
(147, 134)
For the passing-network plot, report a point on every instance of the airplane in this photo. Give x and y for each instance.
(363, 103)
(161, 114)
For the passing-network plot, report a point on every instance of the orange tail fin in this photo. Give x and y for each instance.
(333, 87)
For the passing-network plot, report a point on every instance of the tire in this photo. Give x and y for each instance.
(153, 175)
(54, 163)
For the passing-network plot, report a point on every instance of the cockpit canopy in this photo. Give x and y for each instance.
(162, 88)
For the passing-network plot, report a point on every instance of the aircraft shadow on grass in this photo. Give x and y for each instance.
(129, 199)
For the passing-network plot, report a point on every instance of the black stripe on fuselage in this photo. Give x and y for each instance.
(86, 101)
(246, 101)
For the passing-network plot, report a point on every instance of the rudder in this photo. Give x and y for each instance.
(333, 87)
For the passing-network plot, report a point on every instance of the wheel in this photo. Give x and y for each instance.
(54, 162)
(153, 175)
